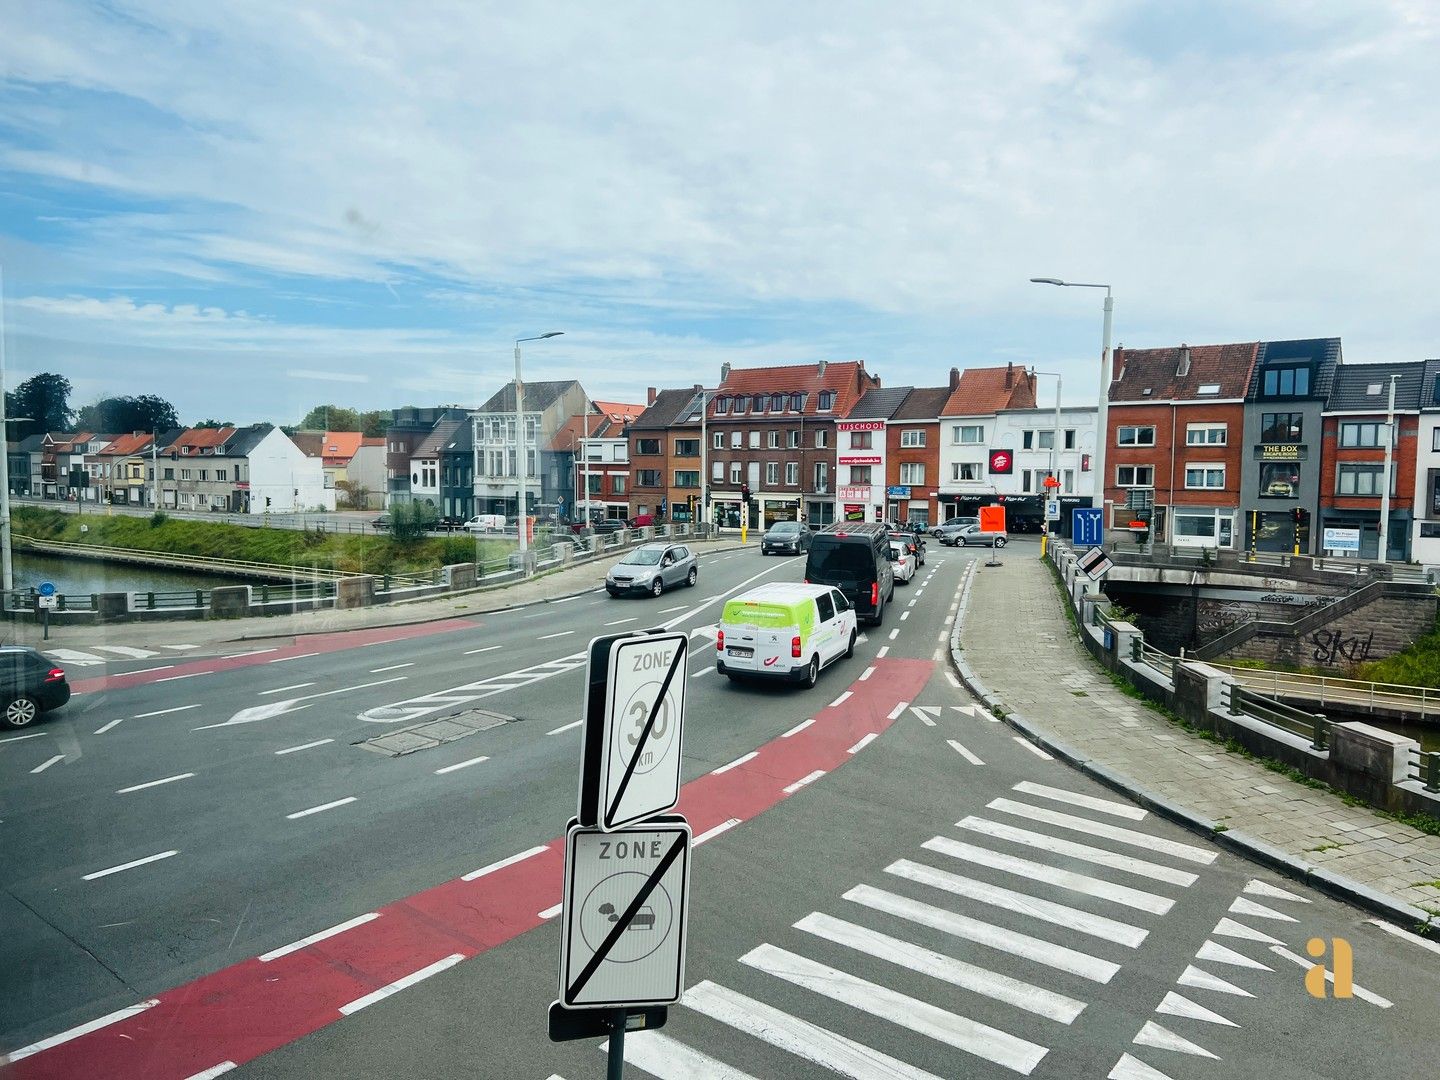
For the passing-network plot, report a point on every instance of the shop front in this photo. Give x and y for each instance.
(1367, 522)
(775, 508)
(1202, 527)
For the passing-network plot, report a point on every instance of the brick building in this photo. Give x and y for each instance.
(912, 474)
(1425, 544)
(861, 450)
(665, 453)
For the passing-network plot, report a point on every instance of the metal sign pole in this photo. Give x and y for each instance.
(615, 1067)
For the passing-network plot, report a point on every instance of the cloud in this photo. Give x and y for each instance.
(327, 376)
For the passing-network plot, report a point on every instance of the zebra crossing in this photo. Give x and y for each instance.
(415, 707)
(84, 658)
(989, 943)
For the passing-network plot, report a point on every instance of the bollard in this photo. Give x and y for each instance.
(1432, 778)
(1234, 704)
(1318, 742)
(264, 592)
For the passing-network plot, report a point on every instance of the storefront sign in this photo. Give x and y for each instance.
(862, 459)
(861, 425)
(898, 491)
(1281, 452)
(1001, 461)
(854, 512)
(855, 492)
(1342, 540)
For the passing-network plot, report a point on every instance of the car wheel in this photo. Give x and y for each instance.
(1000, 541)
(812, 673)
(693, 577)
(21, 712)
(657, 588)
(850, 649)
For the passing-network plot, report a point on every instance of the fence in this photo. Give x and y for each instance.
(1420, 701)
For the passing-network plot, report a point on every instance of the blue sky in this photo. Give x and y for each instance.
(253, 207)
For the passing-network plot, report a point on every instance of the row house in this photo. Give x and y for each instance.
(24, 464)
(664, 455)
(1047, 463)
(861, 450)
(912, 455)
(121, 471)
(249, 470)
(1425, 543)
(62, 465)
(447, 449)
(497, 446)
(408, 428)
(591, 456)
(974, 465)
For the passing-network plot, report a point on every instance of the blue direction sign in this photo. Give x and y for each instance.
(1087, 526)
(47, 588)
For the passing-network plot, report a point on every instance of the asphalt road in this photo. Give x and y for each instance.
(889, 884)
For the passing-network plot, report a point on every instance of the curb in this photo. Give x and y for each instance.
(1240, 843)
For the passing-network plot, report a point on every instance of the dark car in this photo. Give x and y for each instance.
(913, 544)
(29, 686)
(381, 522)
(786, 537)
(855, 558)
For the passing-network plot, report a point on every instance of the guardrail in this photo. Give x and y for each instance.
(1330, 689)
(24, 600)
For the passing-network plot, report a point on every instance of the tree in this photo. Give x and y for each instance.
(374, 422)
(45, 400)
(410, 520)
(116, 415)
(330, 418)
(212, 424)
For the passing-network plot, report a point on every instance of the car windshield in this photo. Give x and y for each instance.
(644, 556)
(841, 559)
(783, 528)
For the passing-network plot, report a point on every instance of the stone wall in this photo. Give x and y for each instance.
(1380, 628)
(355, 592)
(230, 601)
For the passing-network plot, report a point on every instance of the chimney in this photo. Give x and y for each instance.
(1009, 375)
(1184, 368)
(724, 371)
(954, 379)
(649, 395)
(820, 369)
(876, 380)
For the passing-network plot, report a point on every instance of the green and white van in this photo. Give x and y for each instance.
(782, 631)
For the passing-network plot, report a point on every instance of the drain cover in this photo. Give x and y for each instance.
(434, 733)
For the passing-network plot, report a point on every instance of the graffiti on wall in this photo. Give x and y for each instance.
(1332, 646)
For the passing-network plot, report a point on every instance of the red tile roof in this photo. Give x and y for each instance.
(125, 445)
(1157, 370)
(983, 391)
(848, 379)
(193, 440)
(340, 446)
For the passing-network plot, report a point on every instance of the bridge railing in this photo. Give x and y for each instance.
(1331, 689)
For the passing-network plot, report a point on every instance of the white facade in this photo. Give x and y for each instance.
(281, 472)
(1028, 434)
(860, 464)
(1425, 542)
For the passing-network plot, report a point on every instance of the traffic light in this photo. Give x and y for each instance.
(745, 492)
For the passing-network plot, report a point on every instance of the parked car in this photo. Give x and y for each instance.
(381, 522)
(641, 521)
(29, 685)
(946, 531)
(854, 557)
(786, 536)
(784, 631)
(652, 568)
(902, 561)
(485, 523)
(914, 544)
(972, 536)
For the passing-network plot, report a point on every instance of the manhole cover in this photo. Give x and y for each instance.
(434, 733)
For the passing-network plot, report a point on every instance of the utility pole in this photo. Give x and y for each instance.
(520, 476)
(1385, 478)
(7, 569)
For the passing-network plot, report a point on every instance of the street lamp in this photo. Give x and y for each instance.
(520, 442)
(1384, 532)
(1055, 442)
(1102, 433)
(703, 511)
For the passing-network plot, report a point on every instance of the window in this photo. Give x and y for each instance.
(1025, 480)
(1362, 480)
(717, 471)
(531, 427)
(647, 478)
(825, 607)
(1204, 477)
(772, 472)
(687, 478)
(687, 447)
(1069, 438)
(169, 474)
(617, 485)
(1209, 389)
(777, 402)
(912, 472)
(1365, 434)
(592, 484)
(1286, 382)
(826, 401)
(822, 439)
(1028, 440)
(1068, 479)
(859, 474)
(822, 476)
(1135, 475)
(792, 473)
(797, 402)
(204, 473)
(647, 446)
(967, 434)
(717, 441)
(1435, 438)
(912, 437)
(1046, 439)
(757, 403)
(794, 439)
(861, 440)
(773, 440)
(185, 474)
(737, 440)
(754, 440)
(529, 467)
(964, 470)
(1205, 434)
(1281, 427)
(1136, 436)
(734, 472)
(722, 405)
(739, 405)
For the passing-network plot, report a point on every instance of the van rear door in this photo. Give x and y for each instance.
(757, 635)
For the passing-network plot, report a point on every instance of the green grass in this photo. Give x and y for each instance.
(1418, 664)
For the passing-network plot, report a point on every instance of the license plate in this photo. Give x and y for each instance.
(742, 653)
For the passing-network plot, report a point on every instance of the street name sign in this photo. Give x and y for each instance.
(625, 913)
(1087, 526)
(1095, 563)
(634, 722)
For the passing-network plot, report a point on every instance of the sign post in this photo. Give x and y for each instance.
(992, 520)
(46, 601)
(1087, 526)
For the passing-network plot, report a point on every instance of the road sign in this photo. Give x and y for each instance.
(47, 588)
(1095, 563)
(1052, 509)
(625, 907)
(992, 519)
(630, 755)
(47, 600)
(1087, 526)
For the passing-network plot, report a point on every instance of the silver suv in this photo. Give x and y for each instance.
(652, 568)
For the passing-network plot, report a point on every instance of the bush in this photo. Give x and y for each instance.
(158, 518)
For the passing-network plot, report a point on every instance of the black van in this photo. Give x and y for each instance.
(854, 556)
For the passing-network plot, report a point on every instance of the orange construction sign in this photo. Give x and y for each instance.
(992, 519)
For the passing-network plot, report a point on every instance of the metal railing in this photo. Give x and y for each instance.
(181, 560)
(1424, 767)
(24, 600)
(1332, 690)
(1314, 726)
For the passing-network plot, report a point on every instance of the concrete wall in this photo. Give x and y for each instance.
(1394, 619)
(230, 601)
(355, 592)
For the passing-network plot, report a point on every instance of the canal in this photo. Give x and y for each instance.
(80, 576)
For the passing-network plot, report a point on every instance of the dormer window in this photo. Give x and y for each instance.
(722, 405)
(1373, 390)
(777, 402)
(797, 402)
(757, 403)
(740, 405)
(1208, 389)
(826, 401)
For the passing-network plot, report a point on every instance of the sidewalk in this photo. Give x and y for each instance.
(204, 633)
(1018, 646)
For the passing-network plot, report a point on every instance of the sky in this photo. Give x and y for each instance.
(253, 206)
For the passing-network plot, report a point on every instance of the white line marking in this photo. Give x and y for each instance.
(304, 746)
(1360, 991)
(1074, 798)
(894, 633)
(562, 633)
(809, 778)
(214, 1071)
(966, 754)
(282, 689)
(621, 622)
(840, 700)
(32, 735)
(798, 728)
(994, 937)
(490, 868)
(151, 670)
(1241, 906)
(904, 615)
(565, 727)
(305, 942)
(1162, 1038)
(866, 741)
(896, 712)
(1203, 980)
(1028, 745)
(882, 652)
(1045, 910)
(83, 1029)
(392, 667)
(1110, 832)
(1219, 954)
(1231, 928)
(286, 659)
(1179, 1005)
(460, 765)
(155, 783)
(1274, 892)
(1099, 856)
(487, 648)
(46, 764)
(962, 1033)
(953, 680)
(986, 713)
(665, 1058)
(702, 671)
(165, 712)
(1405, 935)
(924, 717)
(321, 808)
(401, 984)
(867, 673)
(667, 610)
(710, 834)
(235, 656)
(736, 763)
(911, 604)
(551, 912)
(106, 727)
(1132, 1068)
(128, 865)
(190, 675)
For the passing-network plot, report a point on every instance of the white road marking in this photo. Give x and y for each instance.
(400, 984)
(1050, 875)
(904, 615)
(1273, 892)
(924, 718)
(798, 728)
(392, 667)
(840, 700)
(182, 648)
(562, 633)
(214, 1071)
(103, 728)
(151, 670)
(1359, 991)
(953, 680)
(46, 764)
(304, 746)
(165, 712)
(808, 778)
(565, 727)
(621, 622)
(979, 980)
(1028, 745)
(1405, 935)
(236, 656)
(75, 657)
(1241, 906)
(710, 834)
(154, 783)
(1219, 954)
(283, 689)
(1132, 1068)
(894, 633)
(1110, 832)
(1179, 1005)
(1231, 928)
(994, 937)
(867, 673)
(881, 653)
(1162, 1038)
(667, 610)
(911, 604)
(899, 709)
(126, 650)
(128, 865)
(864, 742)
(986, 713)
(1045, 910)
(460, 765)
(551, 912)
(737, 762)
(321, 808)
(1099, 856)
(490, 868)
(703, 671)
(487, 648)
(286, 659)
(805, 1040)
(37, 734)
(305, 942)
(964, 1034)
(1203, 980)
(669, 1059)
(966, 754)
(84, 1029)
(1074, 798)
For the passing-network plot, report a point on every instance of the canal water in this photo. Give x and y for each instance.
(72, 576)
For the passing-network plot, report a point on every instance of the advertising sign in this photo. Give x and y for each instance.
(860, 459)
(860, 425)
(898, 491)
(1001, 461)
(1281, 452)
(1342, 540)
(854, 492)
(854, 511)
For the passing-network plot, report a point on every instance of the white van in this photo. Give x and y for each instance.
(485, 523)
(783, 631)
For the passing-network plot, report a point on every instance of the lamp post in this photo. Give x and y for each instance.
(1384, 536)
(703, 513)
(1102, 435)
(7, 570)
(520, 443)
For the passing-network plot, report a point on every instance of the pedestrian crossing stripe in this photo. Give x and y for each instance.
(1231, 928)
(1219, 954)
(1274, 892)
(1241, 906)
(1132, 1068)
(1203, 980)
(1179, 1005)
(1162, 1038)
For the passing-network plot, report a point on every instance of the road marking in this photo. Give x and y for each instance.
(621, 622)
(76, 657)
(702, 671)
(490, 868)
(562, 633)
(994, 937)
(882, 652)
(710, 834)
(1162, 1038)
(1099, 856)
(400, 984)
(867, 673)
(286, 659)
(305, 942)
(966, 754)
(155, 783)
(953, 680)
(808, 778)
(1360, 991)
(896, 712)
(236, 656)
(921, 1017)
(304, 746)
(1028, 745)
(214, 1071)
(798, 728)
(1109, 832)
(1179, 1005)
(1132, 1068)
(551, 912)
(1241, 906)
(37, 734)
(321, 808)
(912, 603)
(866, 741)
(1405, 935)
(986, 713)
(126, 650)
(670, 1059)
(667, 610)
(904, 615)
(840, 700)
(736, 763)
(46, 764)
(282, 689)
(815, 1044)
(128, 865)
(1045, 910)
(1274, 892)
(1074, 798)
(1219, 954)
(392, 667)
(487, 648)
(894, 633)
(979, 980)
(83, 1029)
(565, 727)
(460, 765)
(165, 712)
(1203, 980)
(924, 717)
